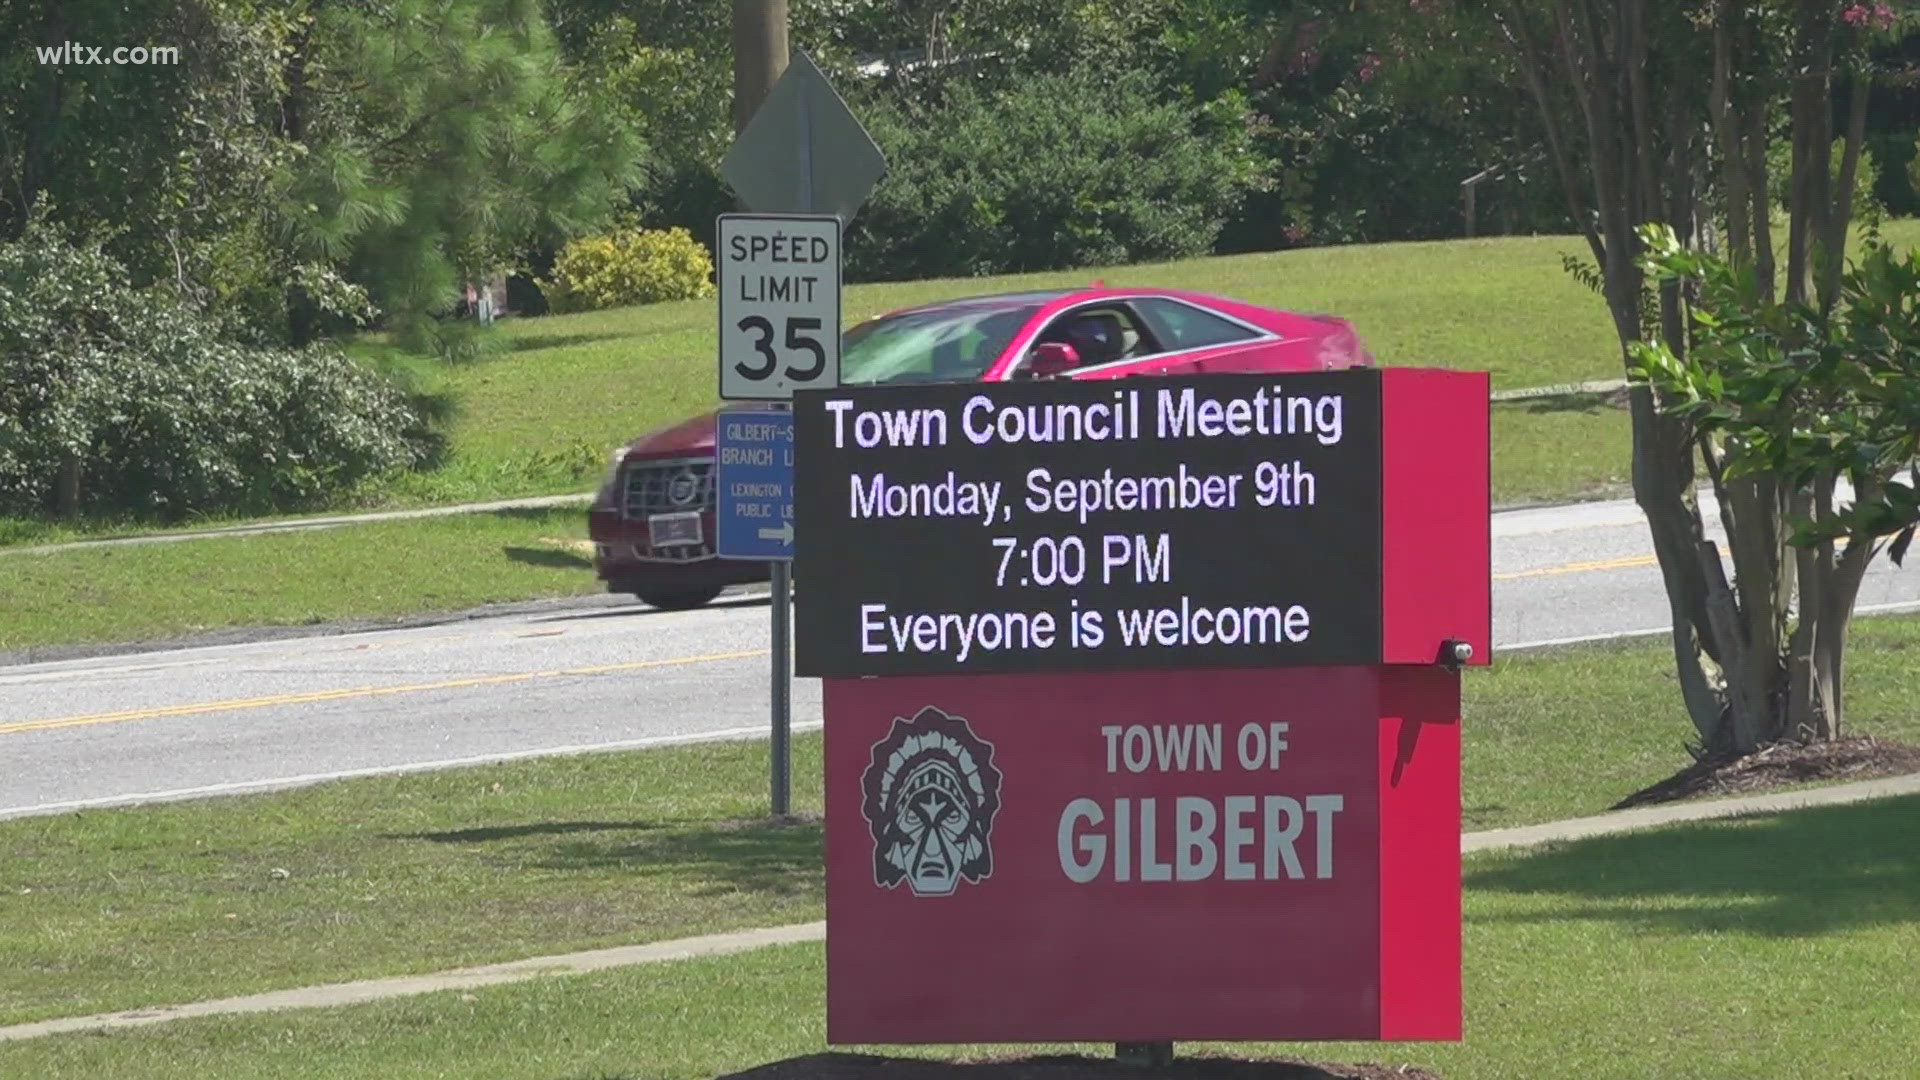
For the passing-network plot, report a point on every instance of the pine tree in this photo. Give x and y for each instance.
(434, 140)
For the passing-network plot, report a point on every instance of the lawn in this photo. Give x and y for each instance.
(1771, 946)
(601, 377)
(540, 410)
(120, 908)
(388, 875)
(538, 413)
(142, 592)
(1498, 304)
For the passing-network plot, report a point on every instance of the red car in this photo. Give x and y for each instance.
(1095, 333)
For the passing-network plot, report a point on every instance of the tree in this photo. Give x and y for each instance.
(1659, 112)
(1817, 396)
(436, 139)
(168, 161)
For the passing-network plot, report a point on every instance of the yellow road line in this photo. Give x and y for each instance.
(526, 676)
(197, 708)
(1581, 567)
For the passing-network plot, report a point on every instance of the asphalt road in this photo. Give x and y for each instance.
(605, 674)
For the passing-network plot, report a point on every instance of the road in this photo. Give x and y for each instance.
(606, 674)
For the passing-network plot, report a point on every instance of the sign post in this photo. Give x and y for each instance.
(1175, 661)
(753, 484)
(804, 165)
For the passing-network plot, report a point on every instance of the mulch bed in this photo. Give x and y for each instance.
(1857, 758)
(864, 1067)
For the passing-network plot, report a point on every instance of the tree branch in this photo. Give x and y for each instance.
(1533, 68)
(1841, 213)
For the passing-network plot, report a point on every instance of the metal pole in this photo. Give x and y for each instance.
(783, 571)
(782, 691)
(782, 734)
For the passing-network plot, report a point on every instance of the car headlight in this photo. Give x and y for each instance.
(608, 486)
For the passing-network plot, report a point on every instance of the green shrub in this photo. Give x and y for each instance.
(163, 414)
(1078, 169)
(630, 266)
(1866, 207)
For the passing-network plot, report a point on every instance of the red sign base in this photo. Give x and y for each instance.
(1244, 854)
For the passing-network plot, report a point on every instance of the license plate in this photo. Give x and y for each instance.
(674, 530)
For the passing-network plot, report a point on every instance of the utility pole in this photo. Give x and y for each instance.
(759, 54)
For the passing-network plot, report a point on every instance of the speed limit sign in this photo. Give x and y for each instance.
(779, 277)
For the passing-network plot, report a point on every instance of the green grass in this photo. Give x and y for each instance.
(1569, 731)
(121, 908)
(539, 409)
(1501, 305)
(1773, 946)
(156, 591)
(386, 875)
(1560, 448)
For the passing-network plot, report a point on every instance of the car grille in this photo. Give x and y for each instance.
(675, 486)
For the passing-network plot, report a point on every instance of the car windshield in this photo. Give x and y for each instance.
(948, 344)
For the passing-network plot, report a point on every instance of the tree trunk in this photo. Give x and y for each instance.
(1840, 214)
(1810, 103)
(43, 121)
(1608, 75)
(302, 319)
(1662, 487)
(66, 490)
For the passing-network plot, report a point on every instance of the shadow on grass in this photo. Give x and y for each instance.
(1591, 404)
(557, 341)
(1793, 874)
(536, 513)
(754, 856)
(751, 855)
(1482, 814)
(515, 832)
(549, 557)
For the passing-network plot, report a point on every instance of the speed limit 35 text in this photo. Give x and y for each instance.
(793, 287)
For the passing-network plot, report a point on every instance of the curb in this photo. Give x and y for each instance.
(303, 524)
(1592, 386)
(1647, 817)
(369, 990)
(1530, 393)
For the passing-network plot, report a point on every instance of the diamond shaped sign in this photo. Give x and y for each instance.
(804, 152)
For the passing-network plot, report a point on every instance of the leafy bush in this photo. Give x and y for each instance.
(1077, 169)
(153, 412)
(1866, 206)
(630, 266)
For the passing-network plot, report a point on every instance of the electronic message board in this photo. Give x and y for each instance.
(1199, 521)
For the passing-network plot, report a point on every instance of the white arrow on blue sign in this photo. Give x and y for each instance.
(753, 484)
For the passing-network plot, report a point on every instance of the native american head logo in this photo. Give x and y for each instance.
(931, 795)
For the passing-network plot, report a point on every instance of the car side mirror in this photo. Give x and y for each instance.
(1053, 358)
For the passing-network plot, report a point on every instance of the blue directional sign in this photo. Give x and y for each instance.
(753, 484)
